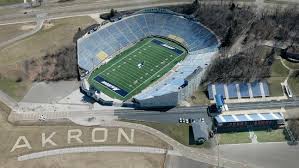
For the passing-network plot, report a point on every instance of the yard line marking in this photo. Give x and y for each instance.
(154, 74)
(122, 82)
(126, 56)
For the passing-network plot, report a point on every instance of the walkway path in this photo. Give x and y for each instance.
(39, 24)
(135, 149)
(203, 155)
(10, 102)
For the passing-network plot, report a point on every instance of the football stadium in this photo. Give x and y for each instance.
(153, 57)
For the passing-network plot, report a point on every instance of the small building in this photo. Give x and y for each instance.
(241, 122)
(200, 131)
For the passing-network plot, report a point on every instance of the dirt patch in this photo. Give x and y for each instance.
(48, 25)
(27, 27)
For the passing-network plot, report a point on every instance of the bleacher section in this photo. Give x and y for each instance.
(257, 88)
(201, 44)
(111, 38)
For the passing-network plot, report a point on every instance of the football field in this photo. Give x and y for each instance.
(137, 67)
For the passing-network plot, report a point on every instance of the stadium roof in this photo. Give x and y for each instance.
(249, 117)
(200, 130)
(244, 90)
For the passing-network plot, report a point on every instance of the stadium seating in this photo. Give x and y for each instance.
(112, 38)
(257, 88)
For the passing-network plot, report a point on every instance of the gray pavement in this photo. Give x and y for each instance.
(196, 112)
(183, 162)
(263, 155)
(43, 92)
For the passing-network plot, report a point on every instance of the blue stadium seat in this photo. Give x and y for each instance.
(220, 89)
(255, 87)
(111, 38)
(244, 91)
(232, 90)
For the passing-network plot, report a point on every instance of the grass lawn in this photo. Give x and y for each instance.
(278, 70)
(13, 30)
(278, 75)
(275, 86)
(234, 138)
(199, 97)
(291, 65)
(294, 84)
(9, 2)
(16, 90)
(33, 134)
(122, 77)
(57, 34)
(273, 136)
(179, 132)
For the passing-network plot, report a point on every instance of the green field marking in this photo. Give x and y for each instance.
(123, 72)
(153, 75)
(125, 57)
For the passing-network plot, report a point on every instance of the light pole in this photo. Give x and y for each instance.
(218, 153)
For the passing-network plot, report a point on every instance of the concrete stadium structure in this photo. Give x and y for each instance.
(113, 38)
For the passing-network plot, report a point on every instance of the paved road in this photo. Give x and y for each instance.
(62, 111)
(196, 112)
(16, 13)
(71, 9)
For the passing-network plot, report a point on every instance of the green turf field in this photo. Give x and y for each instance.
(137, 67)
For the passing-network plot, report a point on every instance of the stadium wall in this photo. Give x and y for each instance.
(167, 100)
(193, 81)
